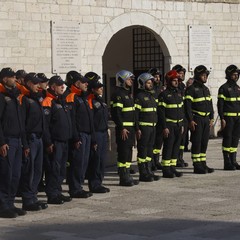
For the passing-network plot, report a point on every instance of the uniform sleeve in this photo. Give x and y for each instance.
(47, 111)
(188, 103)
(2, 106)
(161, 111)
(116, 108)
(73, 106)
(220, 102)
(138, 107)
(24, 108)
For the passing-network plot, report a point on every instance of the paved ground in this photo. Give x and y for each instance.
(194, 207)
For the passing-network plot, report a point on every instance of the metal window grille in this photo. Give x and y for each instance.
(147, 52)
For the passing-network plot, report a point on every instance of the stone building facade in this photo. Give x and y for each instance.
(107, 33)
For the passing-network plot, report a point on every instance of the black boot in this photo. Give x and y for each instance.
(180, 160)
(198, 168)
(227, 162)
(233, 158)
(125, 179)
(156, 165)
(148, 167)
(167, 172)
(208, 169)
(175, 172)
(144, 175)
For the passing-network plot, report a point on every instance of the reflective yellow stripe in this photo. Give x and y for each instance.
(189, 97)
(225, 149)
(232, 99)
(203, 156)
(170, 105)
(119, 164)
(231, 114)
(221, 96)
(141, 160)
(173, 162)
(173, 121)
(118, 105)
(138, 106)
(148, 109)
(128, 109)
(147, 124)
(128, 124)
(166, 163)
(201, 113)
(156, 151)
(181, 147)
(202, 99)
(128, 164)
(196, 157)
(148, 159)
(156, 100)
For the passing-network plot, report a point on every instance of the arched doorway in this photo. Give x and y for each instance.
(133, 48)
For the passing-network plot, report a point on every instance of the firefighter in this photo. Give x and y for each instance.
(182, 87)
(123, 115)
(98, 157)
(34, 125)
(58, 117)
(171, 115)
(199, 113)
(83, 134)
(157, 89)
(11, 130)
(229, 112)
(146, 120)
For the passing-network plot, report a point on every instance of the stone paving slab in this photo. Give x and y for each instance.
(194, 207)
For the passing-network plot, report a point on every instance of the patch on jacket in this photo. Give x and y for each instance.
(127, 97)
(7, 99)
(146, 98)
(97, 105)
(58, 106)
(46, 111)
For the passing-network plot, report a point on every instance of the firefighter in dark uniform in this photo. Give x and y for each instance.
(123, 115)
(146, 121)
(171, 114)
(83, 135)
(182, 87)
(34, 125)
(157, 89)
(199, 113)
(58, 132)
(11, 132)
(98, 157)
(229, 112)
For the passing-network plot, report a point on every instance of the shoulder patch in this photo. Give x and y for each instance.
(46, 111)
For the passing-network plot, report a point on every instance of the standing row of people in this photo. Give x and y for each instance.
(162, 114)
(52, 126)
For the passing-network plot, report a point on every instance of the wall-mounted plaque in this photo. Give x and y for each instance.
(200, 46)
(66, 46)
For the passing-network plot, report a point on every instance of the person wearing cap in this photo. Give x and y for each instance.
(43, 85)
(171, 114)
(182, 87)
(229, 113)
(146, 121)
(57, 115)
(123, 115)
(98, 156)
(157, 89)
(83, 135)
(20, 84)
(34, 126)
(11, 141)
(200, 116)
